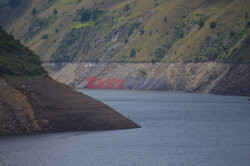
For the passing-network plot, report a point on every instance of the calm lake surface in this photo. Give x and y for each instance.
(178, 129)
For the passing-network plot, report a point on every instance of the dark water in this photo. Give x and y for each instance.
(178, 129)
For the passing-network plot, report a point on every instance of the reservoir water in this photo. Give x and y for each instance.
(178, 129)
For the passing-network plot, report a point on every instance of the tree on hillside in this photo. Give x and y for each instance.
(133, 53)
(34, 11)
(55, 11)
(126, 40)
(165, 19)
(126, 7)
(142, 31)
(213, 25)
(201, 23)
(45, 36)
(85, 15)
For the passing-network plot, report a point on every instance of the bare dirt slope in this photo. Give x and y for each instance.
(16, 114)
(48, 106)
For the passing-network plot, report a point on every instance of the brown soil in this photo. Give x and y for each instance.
(57, 107)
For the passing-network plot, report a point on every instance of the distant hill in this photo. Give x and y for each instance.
(133, 30)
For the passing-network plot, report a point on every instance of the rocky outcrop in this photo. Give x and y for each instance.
(209, 77)
(44, 105)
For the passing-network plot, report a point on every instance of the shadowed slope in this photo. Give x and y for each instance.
(60, 108)
(30, 101)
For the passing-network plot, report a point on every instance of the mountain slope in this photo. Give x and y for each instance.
(30, 101)
(207, 77)
(17, 60)
(135, 31)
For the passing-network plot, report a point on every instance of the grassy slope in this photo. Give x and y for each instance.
(172, 30)
(17, 60)
(216, 44)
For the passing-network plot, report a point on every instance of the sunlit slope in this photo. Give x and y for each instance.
(220, 43)
(136, 31)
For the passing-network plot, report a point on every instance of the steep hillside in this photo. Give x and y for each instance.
(133, 30)
(208, 77)
(11, 10)
(17, 60)
(30, 101)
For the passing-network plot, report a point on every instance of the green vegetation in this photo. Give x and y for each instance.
(17, 60)
(130, 31)
(152, 30)
(85, 15)
(55, 11)
(201, 23)
(67, 50)
(34, 11)
(132, 28)
(133, 53)
(221, 52)
(169, 44)
(126, 7)
(45, 36)
(161, 51)
(179, 30)
(213, 25)
(126, 40)
(80, 25)
(142, 31)
(37, 25)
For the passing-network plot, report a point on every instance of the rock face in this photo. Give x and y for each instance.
(44, 105)
(209, 77)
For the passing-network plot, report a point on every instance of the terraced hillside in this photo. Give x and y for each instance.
(132, 30)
